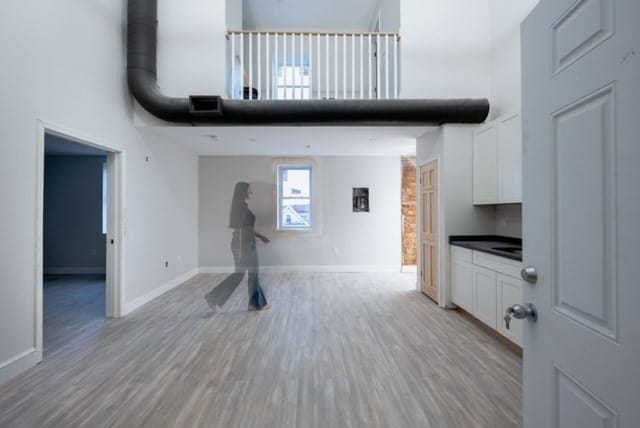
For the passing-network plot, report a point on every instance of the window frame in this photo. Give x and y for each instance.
(281, 167)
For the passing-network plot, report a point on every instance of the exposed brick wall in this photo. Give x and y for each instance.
(409, 212)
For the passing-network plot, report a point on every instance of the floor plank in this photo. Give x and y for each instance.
(339, 350)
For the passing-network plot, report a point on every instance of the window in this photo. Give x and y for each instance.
(294, 197)
(293, 82)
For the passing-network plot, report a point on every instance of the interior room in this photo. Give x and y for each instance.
(319, 213)
(74, 241)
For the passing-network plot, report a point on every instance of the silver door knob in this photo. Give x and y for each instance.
(529, 274)
(518, 311)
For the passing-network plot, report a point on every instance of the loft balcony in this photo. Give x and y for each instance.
(287, 65)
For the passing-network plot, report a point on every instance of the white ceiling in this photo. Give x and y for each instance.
(293, 141)
(308, 15)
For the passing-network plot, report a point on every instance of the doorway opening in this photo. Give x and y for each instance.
(79, 226)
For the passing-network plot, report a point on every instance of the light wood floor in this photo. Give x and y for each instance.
(335, 350)
(73, 305)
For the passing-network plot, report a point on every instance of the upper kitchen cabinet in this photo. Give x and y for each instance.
(497, 161)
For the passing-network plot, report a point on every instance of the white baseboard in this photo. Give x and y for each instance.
(95, 270)
(18, 364)
(311, 269)
(157, 292)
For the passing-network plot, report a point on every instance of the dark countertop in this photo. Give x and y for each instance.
(502, 246)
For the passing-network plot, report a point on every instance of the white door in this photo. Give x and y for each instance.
(581, 161)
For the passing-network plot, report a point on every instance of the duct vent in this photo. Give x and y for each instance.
(205, 105)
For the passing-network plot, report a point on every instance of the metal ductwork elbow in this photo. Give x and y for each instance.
(142, 32)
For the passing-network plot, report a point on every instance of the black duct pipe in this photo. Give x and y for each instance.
(213, 110)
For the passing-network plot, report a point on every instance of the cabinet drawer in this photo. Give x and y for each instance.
(497, 263)
(461, 254)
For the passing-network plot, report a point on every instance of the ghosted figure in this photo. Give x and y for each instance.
(245, 256)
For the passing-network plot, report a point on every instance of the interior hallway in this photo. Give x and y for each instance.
(334, 350)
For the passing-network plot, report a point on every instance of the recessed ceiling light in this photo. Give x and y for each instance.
(253, 140)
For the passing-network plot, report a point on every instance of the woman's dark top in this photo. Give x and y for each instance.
(244, 229)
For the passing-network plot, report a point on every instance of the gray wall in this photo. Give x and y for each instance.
(341, 239)
(73, 239)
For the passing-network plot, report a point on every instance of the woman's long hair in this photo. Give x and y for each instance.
(238, 205)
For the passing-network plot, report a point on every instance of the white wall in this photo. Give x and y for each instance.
(445, 48)
(509, 220)
(389, 11)
(191, 47)
(341, 240)
(77, 83)
(451, 145)
(506, 16)
(234, 14)
(73, 238)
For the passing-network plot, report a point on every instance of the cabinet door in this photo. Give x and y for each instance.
(462, 284)
(485, 165)
(484, 295)
(510, 159)
(509, 293)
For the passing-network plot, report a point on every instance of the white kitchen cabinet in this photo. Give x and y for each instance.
(485, 164)
(497, 161)
(509, 292)
(485, 285)
(484, 295)
(462, 278)
(510, 159)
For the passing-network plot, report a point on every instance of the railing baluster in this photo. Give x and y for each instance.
(361, 66)
(395, 66)
(259, 40)
(301, 65)
(233, 66)
(319, 66)
(250, 66)
(370, 67)
(311, 64)
(242, 65)
(335, 56)
(293, 65)
(377, 66)
(353, 67)
(344, 66)
(267, 70)
(284, 64)
(386, 66)
(276, 95)
(326, 59)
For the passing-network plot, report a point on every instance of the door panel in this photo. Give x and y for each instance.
(430, 259)
(581, 205)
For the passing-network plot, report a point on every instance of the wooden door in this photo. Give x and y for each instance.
(430, 259)
(581, 203)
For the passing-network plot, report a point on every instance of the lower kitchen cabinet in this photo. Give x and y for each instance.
(485, 285)
(461, 278)
(509, 293)
(484, 295)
